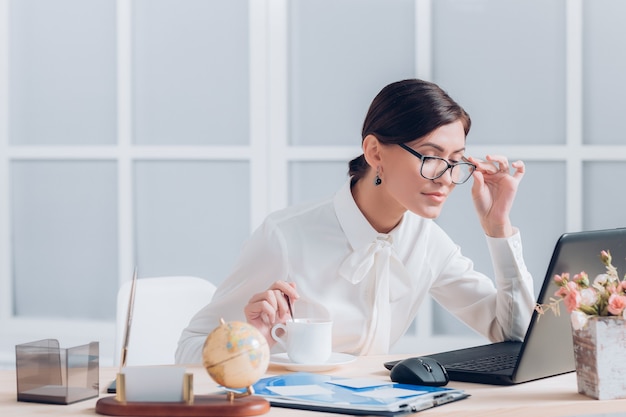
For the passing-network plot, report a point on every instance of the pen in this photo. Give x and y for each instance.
(289, 299)
(129, 320)
(289, 305)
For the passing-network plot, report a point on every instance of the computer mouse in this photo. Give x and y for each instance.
(419, 371)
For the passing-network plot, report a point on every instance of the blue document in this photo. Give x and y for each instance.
(354, 396)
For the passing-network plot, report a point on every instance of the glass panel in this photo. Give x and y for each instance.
(504, 62)
(64, 239)
(190, 74)
(341, 54)
(604, 199)
(62, 68)
(311, 181)
(541, 195)
(604, 87)
(191, 217)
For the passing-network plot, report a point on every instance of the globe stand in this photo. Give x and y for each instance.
(226, 405)
(203, 405)
(231, 395)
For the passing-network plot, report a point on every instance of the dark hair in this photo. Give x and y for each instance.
(404, 111)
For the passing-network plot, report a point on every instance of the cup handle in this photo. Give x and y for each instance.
(278, 339)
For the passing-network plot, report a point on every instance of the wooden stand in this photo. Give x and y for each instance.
(203, 405)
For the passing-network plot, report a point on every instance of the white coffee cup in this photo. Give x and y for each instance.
(308, 341)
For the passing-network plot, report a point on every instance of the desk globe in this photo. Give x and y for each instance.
(236, 355)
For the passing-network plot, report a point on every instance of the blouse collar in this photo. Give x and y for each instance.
(354, 224)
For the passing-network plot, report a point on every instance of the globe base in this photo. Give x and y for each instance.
(203, 405)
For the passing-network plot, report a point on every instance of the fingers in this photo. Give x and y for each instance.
(287, 288)
(271, 305)
(484, 167)
(263, 306)
(498, 164)
(520, 169)
(478, 183)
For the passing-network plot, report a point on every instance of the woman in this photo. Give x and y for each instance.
(368, 256)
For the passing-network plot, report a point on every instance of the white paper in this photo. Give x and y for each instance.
(300, 390)
(384, 393)
(359, 383)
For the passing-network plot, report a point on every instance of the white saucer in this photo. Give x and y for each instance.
(336, 359)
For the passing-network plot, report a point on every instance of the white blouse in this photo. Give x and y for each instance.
(370, 284)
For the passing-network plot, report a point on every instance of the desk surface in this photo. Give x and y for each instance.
(550, 397)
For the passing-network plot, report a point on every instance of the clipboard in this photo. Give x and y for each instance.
(353, 396)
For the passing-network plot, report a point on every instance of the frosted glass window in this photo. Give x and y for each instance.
(341, 54)
(504, 62)
(604, 66)
(312, 181)
(64, 239)
(604, 198)
(191, 217)
(539, 213)
(62, 66)
(190, 72)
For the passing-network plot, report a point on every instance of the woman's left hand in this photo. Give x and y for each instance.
(493, 192)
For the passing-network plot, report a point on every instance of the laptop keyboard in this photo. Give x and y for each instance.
(487, 364)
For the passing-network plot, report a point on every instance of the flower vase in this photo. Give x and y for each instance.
(599, 352)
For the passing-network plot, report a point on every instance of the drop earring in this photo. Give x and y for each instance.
(377, 180)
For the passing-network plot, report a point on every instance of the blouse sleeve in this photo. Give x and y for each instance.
(262, 262)
(499, 312)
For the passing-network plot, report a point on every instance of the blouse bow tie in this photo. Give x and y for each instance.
(380, 253)
(380, 259)
(356, 266)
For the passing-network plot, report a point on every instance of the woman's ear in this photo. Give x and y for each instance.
(372, 150)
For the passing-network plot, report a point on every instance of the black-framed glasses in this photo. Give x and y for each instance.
(434, 167)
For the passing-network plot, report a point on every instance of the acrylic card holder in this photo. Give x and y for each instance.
(161, 384)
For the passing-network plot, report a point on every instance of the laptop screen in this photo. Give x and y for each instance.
(548, 348)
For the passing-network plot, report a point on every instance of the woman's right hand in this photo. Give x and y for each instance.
(268, 308)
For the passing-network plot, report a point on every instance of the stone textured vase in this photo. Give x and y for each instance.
(599, 350)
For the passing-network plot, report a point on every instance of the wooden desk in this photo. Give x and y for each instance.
(549, 397)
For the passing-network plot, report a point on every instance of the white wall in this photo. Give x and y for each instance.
(159, 133)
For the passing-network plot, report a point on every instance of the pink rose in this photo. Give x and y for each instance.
(617, 303)
(561, 279)
(605, 257)
(611, 288)
(582, 279)
(561, 292)
(572, 297)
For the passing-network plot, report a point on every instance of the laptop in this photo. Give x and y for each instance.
(547, 349)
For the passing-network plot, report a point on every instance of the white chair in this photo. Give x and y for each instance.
(163, 308)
